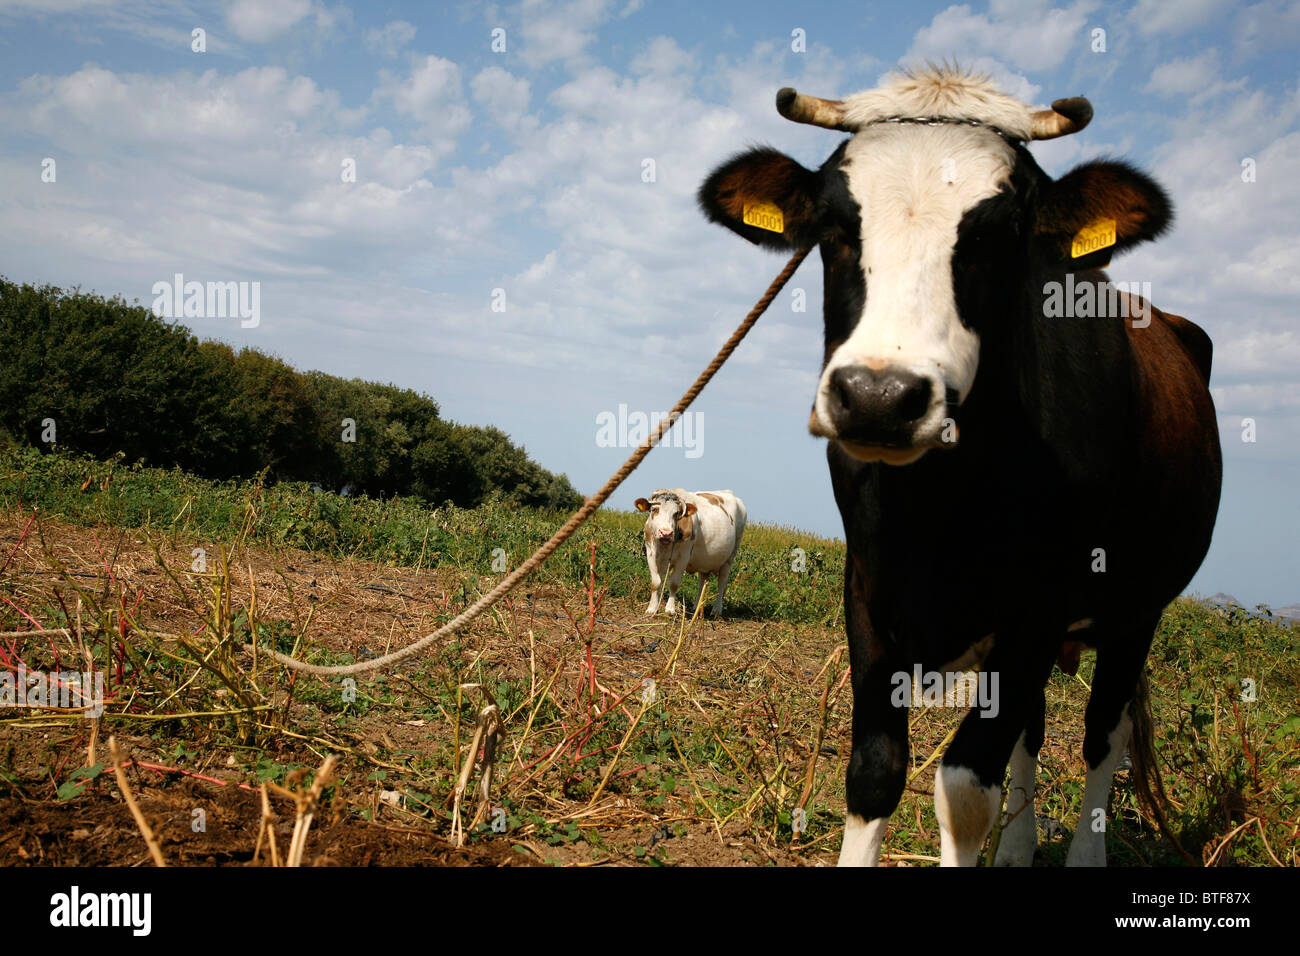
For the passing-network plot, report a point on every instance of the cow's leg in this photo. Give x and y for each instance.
(878, 763)
(657, 558)
(1020, 835)
(724, 573)
(968, 784)
(674, 582)
(1108, 724)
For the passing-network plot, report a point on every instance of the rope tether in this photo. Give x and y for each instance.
(588, 508)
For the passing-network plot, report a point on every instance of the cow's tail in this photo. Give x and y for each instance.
(1146, 772)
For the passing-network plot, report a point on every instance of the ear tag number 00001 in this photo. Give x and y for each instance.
(764, 215)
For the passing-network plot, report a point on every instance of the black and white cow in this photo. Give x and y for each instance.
(1010, 481)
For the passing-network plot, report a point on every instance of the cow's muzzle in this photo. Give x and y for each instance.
(885, 414)
(877, 407)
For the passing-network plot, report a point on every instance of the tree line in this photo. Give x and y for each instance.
(100, 376)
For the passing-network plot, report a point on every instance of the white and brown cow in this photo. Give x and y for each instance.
(690, 532)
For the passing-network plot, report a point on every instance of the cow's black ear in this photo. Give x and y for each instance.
(1101, 206)
(764, 196)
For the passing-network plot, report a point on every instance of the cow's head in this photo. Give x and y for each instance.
(932, 218)
(668, 517)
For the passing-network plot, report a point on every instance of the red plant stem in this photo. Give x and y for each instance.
(158, 768)
(589, 727)
(591, 628)
(597, 753)
(21, 538)
(22, 612)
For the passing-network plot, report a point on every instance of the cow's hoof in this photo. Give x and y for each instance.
(1014, 855)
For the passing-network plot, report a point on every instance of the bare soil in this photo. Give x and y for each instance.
(759, 682)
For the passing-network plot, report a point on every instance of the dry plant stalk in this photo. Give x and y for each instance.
(266, 827)
(833, 685)
(609, 771)
(154, 849)
(89, 661)
(306, 804)
(487, 733)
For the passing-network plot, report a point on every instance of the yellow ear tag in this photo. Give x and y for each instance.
(764, 215)
(1098, 234)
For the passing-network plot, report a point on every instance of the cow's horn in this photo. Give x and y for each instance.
(1065, 117)
(811, 110)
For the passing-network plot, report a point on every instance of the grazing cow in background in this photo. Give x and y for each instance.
(687, 532)
(1011, 480)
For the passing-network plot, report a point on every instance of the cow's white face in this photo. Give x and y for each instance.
(886, 389)
(665, 514)
(932, 220)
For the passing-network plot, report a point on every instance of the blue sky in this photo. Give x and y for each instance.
(524, 170)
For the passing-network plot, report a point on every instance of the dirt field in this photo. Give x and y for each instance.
(734, 755)
(390, 802)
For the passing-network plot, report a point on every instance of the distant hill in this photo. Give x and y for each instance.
(1290, 612)
(1222, 598)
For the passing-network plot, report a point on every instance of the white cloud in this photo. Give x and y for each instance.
(1271, 25)
(1193, 78)
(1184, 76)
(1256, 354)
(237, 173)
(539, 271)
(51, 6)
(1028, 34)
(259, 22)
(432, 97)
(134, 110)
(504, 95)
(663, 57)
(554, 31)
(390, 39)
(1161, 16)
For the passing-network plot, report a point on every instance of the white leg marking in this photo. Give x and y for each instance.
(1020, 835)
(656, 580)
(674, 582)
(723, 573)
(862, 839)
(966, 809)
(1088, 848)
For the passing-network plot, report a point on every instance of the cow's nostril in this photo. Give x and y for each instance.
(844, 382)
(915, 400)
(878, 406)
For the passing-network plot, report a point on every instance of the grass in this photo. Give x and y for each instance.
(407, 532)
(736, 756)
